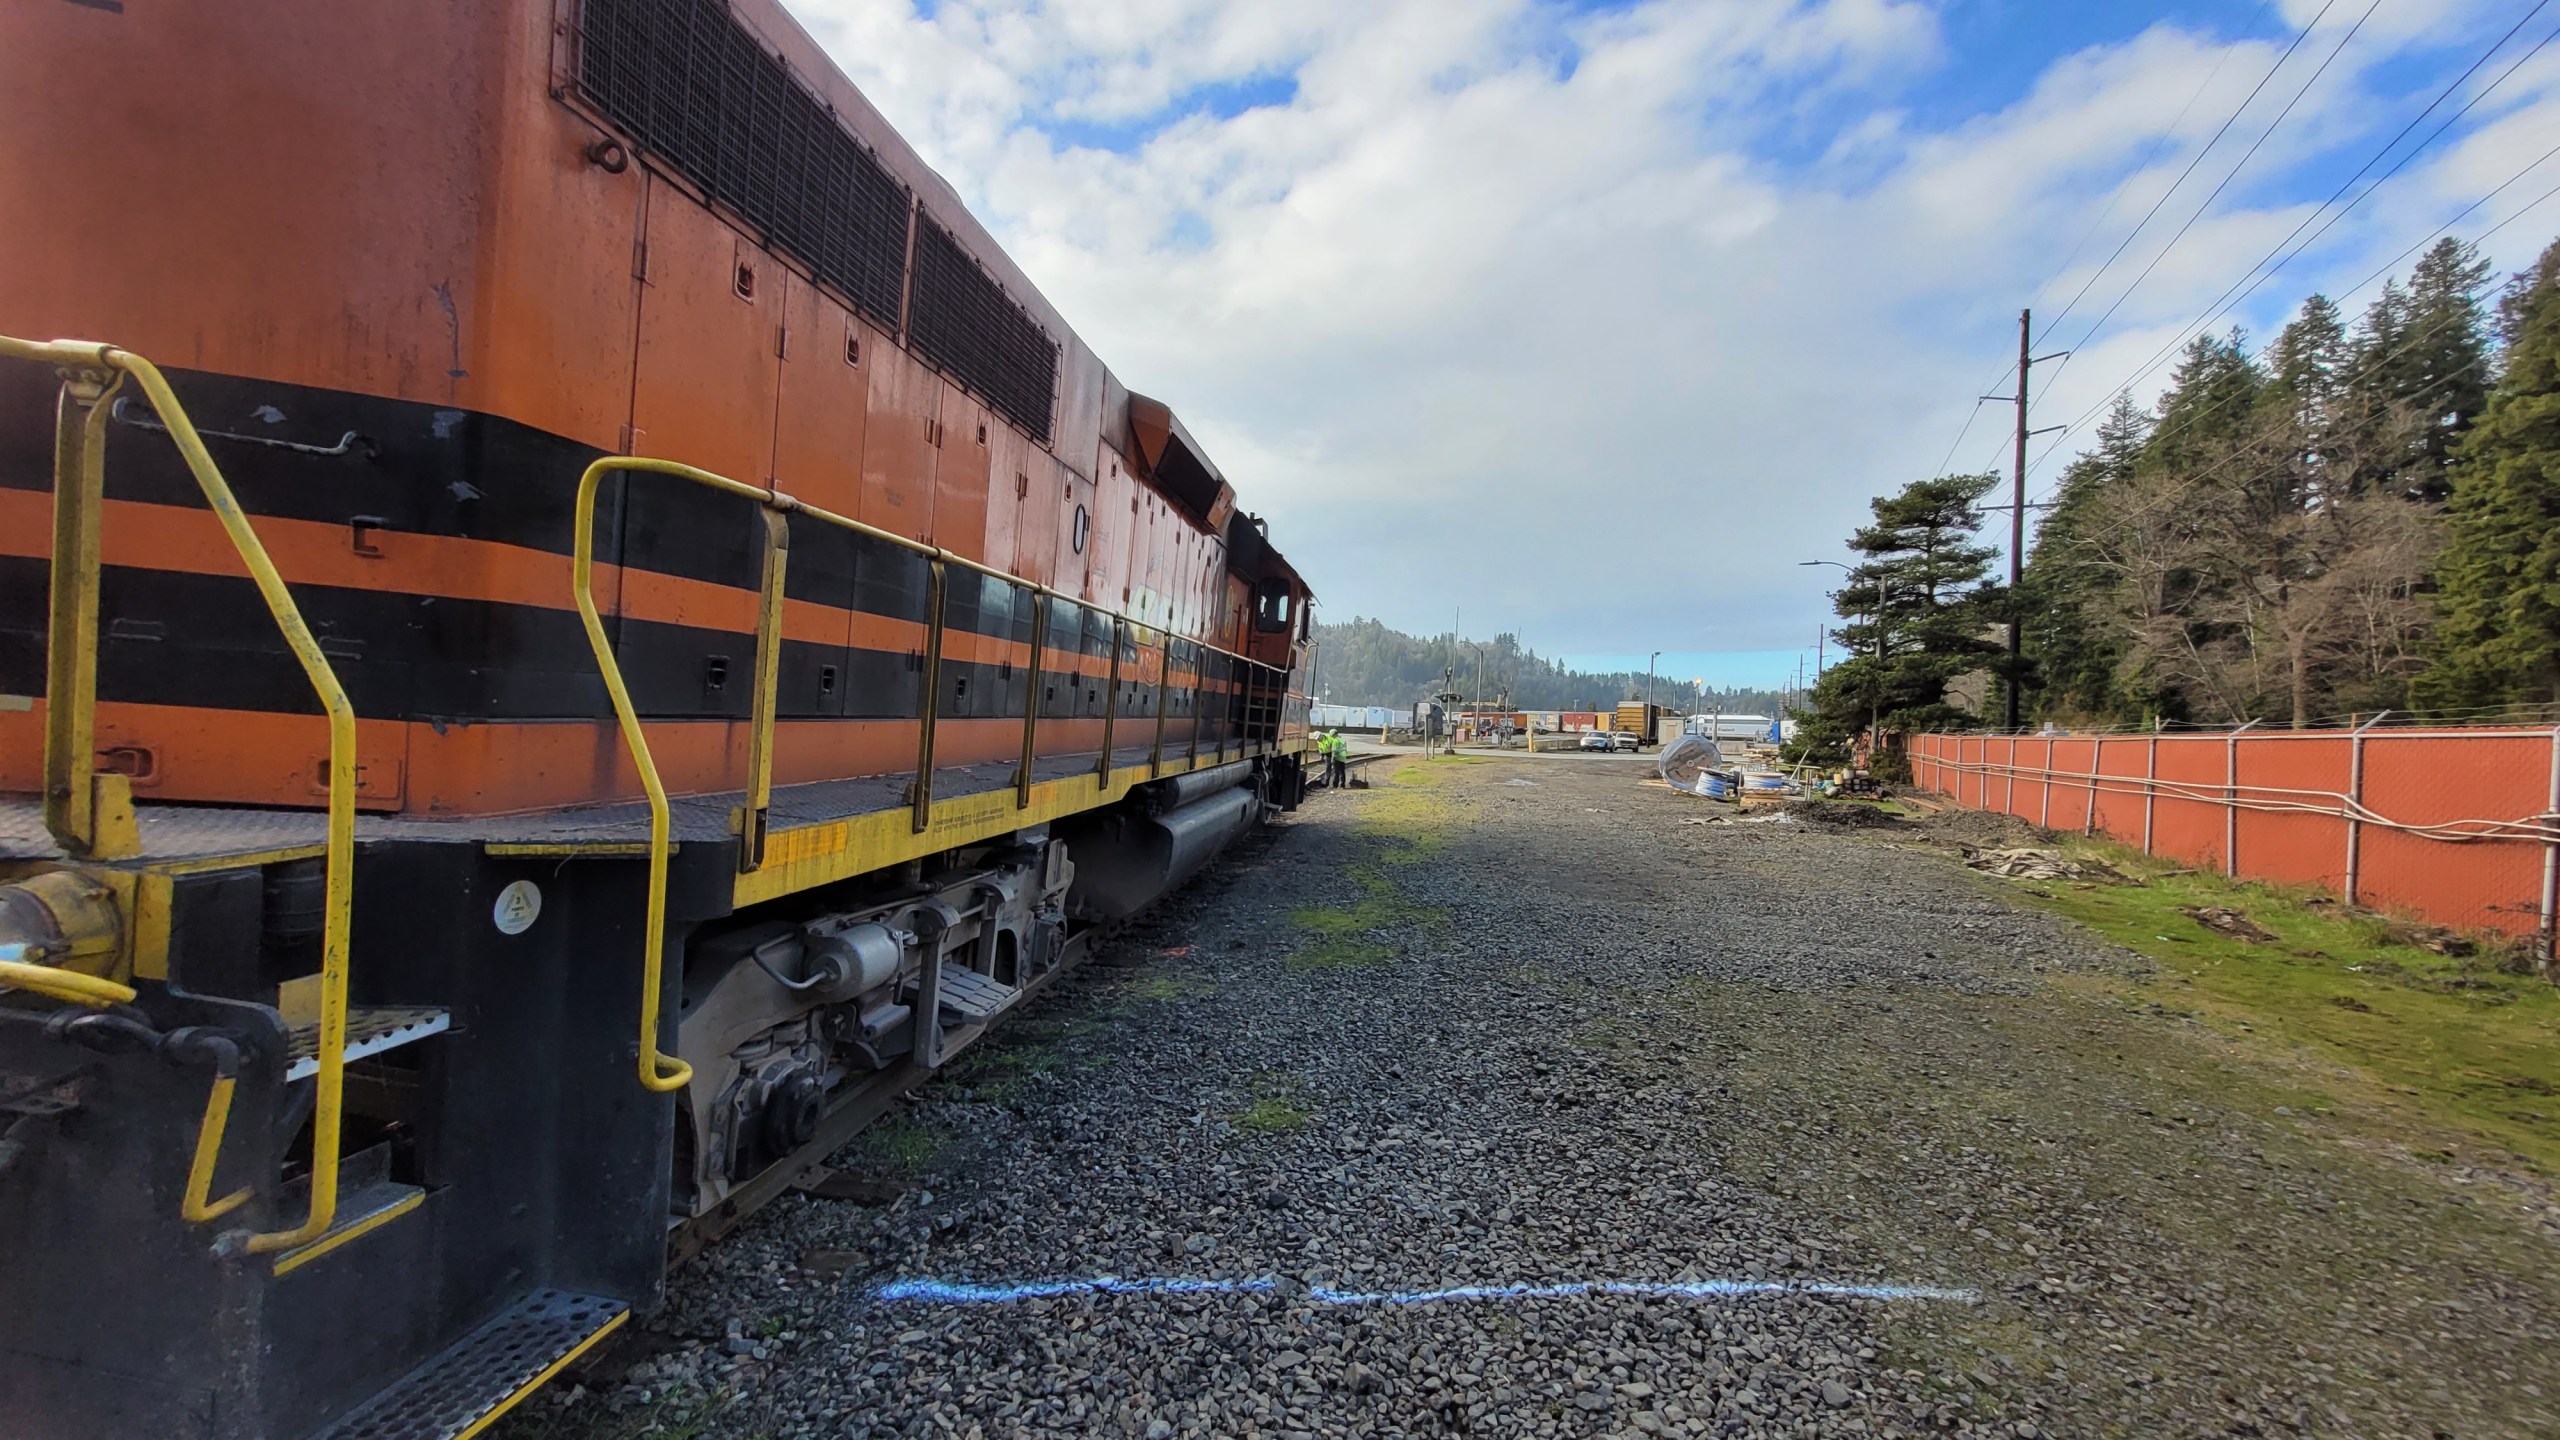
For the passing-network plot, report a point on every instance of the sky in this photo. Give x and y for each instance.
(1597, 319)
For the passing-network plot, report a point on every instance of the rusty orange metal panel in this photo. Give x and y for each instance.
(1078, 498)
(710, 337)
(898, 449)
(817, 434)
(1008, 490)
(367, 122)
(1106, 579)
(241, 757)
(960, 474)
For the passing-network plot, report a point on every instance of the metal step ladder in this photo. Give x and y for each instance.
(371, 1030)
(969, 998)
(483, 1375)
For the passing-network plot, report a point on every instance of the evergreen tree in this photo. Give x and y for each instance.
(1919, 612)
(2420, 374)
(2065, 587)
(2207, 407)
(2306, 370)
(2497, 639)
(2443, 377)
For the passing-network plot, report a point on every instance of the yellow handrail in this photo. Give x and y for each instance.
(199, 1206)
(89, 362)
(660, 1071)
(57, 984)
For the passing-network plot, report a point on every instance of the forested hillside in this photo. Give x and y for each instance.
(1365, 662)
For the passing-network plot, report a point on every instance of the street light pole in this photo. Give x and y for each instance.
(1648, 695)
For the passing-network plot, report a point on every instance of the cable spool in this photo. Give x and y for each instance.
(1764, 782)
(1687, 758)
(1715, 786)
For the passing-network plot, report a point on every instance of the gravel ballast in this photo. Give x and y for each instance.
(1509, 1028)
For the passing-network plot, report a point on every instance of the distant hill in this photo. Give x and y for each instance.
(1366, 662)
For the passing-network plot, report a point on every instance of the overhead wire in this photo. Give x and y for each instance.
(2370, 366)
(2198, 159)
(2250, 154)
(2126, 183)
(2234, 294)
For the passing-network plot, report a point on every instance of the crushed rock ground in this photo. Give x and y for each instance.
(1511, 1024)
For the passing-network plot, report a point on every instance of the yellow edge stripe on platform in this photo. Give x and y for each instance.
(294, 1259)
(525, 1391)
(809, 855)
(571, 847)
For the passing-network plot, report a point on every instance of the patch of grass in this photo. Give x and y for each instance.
(2470, 1047)
(899, 1144)
(1337, 954)
(1277, 1108)
(1271, 1115)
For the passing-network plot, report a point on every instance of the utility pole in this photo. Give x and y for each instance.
(2027, 360)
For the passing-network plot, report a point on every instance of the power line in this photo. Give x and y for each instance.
(2360, 287)
(2195, 160)
(2158, 143)
(2223, 303)
(2235, 170)
(2121, 186)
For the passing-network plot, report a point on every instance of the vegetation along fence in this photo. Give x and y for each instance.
(2459, 827)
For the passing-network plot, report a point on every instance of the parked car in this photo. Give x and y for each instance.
(1598, 740)
(1624, 740)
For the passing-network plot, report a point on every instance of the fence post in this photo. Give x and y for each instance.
(2089, 818)
(2355, 806)
(2551, 862)
(2150, 783)
(2044, 808)
(2231, 802)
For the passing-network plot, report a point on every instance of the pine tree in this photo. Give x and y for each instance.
(2497, 639)
(2443, 378)
(2066, 585)
(1919, 612)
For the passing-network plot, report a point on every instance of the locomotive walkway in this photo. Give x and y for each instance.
(1497, 1101)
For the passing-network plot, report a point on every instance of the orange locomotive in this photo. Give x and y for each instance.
(440, 851)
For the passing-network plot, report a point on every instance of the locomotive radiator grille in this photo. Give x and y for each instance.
(697, 91)
(961, 321)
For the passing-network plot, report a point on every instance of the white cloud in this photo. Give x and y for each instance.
(1608, 319)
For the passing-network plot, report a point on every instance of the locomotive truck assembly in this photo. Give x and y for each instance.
(569, 625)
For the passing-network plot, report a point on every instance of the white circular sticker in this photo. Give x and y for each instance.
(519, 905)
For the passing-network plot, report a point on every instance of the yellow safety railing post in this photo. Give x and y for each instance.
(929, 704)
(73, 811)
(337, 894)
(756, 810)
(1031, 705)
(1110, 703)
(199, 1206)
(1164, 692)
(655, 1073)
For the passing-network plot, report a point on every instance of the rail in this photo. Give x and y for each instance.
(659, 1071)
(89, 814)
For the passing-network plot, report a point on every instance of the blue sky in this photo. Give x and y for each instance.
(1623, 310)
